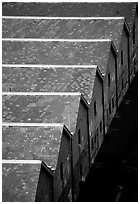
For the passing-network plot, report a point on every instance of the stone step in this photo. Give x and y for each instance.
(32, 142)
(50, 79)
(63, 28)
(46, 52)
(77, 9)
(41, 108)
(20, 181)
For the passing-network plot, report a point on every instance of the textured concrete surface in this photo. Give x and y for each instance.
(64, 29)
(42, 109)
(32, 143)
(113, 9)
(56, 53)
(40, 79)
(20, 182)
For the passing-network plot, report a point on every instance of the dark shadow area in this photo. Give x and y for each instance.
(114, 174)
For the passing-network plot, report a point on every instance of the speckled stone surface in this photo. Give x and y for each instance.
(63, 29)
(32, 143)
(19, 79)
(42, 109)
(19, 182)
(57, 53)
(76, 9)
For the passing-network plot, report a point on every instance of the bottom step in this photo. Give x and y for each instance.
(22, 182)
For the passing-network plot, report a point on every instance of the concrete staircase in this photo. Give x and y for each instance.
(34, 66)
